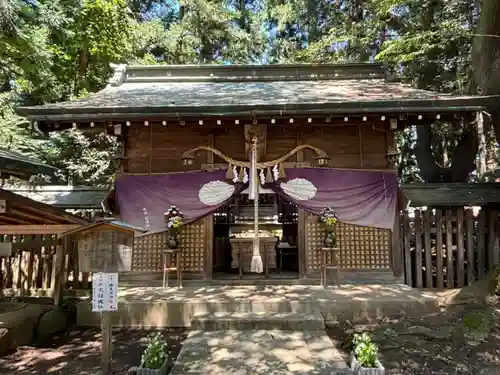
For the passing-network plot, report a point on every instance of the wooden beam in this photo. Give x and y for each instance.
(9, 220)
(42, 209)
(35, 218)
(37, 228)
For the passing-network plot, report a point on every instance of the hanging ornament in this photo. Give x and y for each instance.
(245, 176)
(275, 172)
(281, 172)
(269, 176)
(229, 173)
(262, 176)
(241, 175)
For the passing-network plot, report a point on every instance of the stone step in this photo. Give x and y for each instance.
(288, 321)
(259, 352)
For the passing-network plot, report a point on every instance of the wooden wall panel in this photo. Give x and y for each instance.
(158, 149)
(348, 147)
(148, 249)
(373, 147)
(231, 142)
(280, 140)
(360, 247)
(138, 148)
(169, 143)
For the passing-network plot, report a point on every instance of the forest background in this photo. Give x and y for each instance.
(55, 50)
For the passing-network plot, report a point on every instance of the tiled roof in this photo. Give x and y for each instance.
(452, 194)
(233, 90)
(66, 197)
(18, 164)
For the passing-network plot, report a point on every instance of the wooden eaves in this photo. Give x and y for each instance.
(173, 93)
(26, 216)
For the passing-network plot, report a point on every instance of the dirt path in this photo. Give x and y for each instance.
(78, 352)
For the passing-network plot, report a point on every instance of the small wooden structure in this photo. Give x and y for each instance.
(104, 246)
(170, 119)
(15, 164)
(39, 261)
(450, 233)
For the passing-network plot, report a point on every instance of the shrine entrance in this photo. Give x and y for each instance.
(278, 232)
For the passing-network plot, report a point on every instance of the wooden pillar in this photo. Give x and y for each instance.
(397, 246)
(302, 243)
(57, 289)
(209, 248)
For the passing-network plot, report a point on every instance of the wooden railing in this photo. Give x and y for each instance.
(448, 248)
(30, 270)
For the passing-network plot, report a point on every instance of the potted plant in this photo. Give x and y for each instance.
(328, 218)
(364, 356)
(154, 360)
(173, 219)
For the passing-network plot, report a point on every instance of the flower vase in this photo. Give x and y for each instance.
(173, 239)
(172, 243)
(330, 239)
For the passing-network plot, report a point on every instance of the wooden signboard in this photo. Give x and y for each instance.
(96, 249)
(104, 248)
(5, 249)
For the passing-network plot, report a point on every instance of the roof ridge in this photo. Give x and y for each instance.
(123, 73)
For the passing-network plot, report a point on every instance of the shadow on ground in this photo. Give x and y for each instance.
(78, 352)
(439, 343)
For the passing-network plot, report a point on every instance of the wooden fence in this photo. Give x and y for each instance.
(442, 248)
(30, 270)
(449, 248)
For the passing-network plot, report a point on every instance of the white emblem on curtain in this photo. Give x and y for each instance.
(215, 192)
(299, 189)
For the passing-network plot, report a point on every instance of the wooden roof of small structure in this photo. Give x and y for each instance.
(65, 197)
(13, 163)
(188, 91)
(114, 225)
(452, 194)
(24, 211)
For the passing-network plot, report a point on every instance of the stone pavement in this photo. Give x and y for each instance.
(259, 352)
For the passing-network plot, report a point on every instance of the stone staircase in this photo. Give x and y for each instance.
(289, 321)
(293, 342)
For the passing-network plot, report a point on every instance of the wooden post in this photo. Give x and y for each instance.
(397, 247)
(407, 252)
(460, 248)
(481, 248)
(418, 249)
(491, 239)
(428, 248)
(106, 339)
(450, 279)
(58, 285)
(106, 327)
(469, 225)
(439, 249)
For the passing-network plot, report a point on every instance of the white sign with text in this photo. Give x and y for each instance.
(104, 291)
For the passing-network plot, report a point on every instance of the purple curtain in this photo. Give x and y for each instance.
(196, 194)
(366, 198)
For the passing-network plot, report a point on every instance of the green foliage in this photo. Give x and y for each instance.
(365, 350)
(55, 50)
(154, 354)
(494, 281)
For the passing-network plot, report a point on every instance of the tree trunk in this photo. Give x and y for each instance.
(486, 55)
(486, 49)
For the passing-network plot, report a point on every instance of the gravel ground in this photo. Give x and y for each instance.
(432, 345)
(78, 352)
